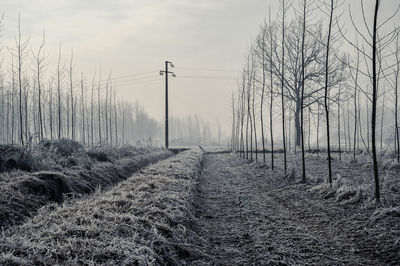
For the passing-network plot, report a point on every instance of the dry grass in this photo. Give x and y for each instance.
(353, 181)
(23, 193)
(145, 220)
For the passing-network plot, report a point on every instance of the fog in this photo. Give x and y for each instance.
(205, 40)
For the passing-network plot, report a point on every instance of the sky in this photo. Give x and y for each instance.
(132, 37)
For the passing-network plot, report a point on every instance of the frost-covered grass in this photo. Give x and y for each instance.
(353, 180)
(53, 177)
(344, 211)
(144, 220)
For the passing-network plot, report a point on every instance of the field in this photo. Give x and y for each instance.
(58, 170)
(208, 207)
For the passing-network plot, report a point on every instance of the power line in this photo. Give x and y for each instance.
(208, 69)
(134, 83)
(122, 78)
(127, 79)
(207, 77)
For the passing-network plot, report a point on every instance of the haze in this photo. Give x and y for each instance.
(132, 37)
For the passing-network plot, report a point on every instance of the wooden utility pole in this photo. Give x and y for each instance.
(166, 97)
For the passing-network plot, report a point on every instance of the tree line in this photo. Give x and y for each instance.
(300, 89)
(38, 102)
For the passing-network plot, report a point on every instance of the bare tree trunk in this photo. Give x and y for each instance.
(396, 103)
(249, 113)
(68, 104)
(27, 131)
(318, 119)
(348, 128)
(382, 120)
(367, 125)
(51, 107)
(39, 62)
(59, 93)
(309, 129)
(115, 115)
(262, 95)
(8, 115)
(3, 129)
(271, 131)
(271, 94)
(344, 129)
(20, 51)
(12, 100)
(289, 136)
(123, 123)
(99, 108)
(106, 107)
(302, 90)
(233, 123)
(72, 97)
(374, 103)
(326, 94)
(356, 140)
(110, 116)
(282, 85)
(254, 113)
(243, 104)
(339, 129)
(92, 111)
(83, 112)
(247, 134)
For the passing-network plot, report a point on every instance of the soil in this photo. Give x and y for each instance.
(254, 216)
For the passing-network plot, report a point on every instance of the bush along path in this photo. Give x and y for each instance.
(144, 220)
(23, 193)
(253, 216)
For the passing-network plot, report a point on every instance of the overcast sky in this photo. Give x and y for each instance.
(130, 37)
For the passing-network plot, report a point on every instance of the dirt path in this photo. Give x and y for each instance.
(254, 218)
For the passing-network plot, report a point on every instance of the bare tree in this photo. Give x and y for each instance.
(83, 111)
(355, 104)
(72, 96)
(284, 10)
(338, 123)
(326, 103)
(99, 107)
(303, 67)
(51, 107)
(92, 110)
(21, 54)
(252, 84)
(115, 114)
(39, 59)
(262, 45)
(271, 91)
(396, 99)
(374, 100)
(59, 93)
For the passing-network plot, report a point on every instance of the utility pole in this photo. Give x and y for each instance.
(166, 97)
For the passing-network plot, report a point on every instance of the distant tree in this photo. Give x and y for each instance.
(21, 50)
(59, 93)
(39, 59)
(83, 111)
(50, 87)
(99, 107)
(92, 110)
(71, 86)
(261, 45)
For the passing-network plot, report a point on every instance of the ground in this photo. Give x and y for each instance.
(214, 208)
(251, 217)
